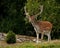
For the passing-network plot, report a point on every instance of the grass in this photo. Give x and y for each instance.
(33, 45)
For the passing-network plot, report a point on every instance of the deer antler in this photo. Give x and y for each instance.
(41, 7)
(27, 14)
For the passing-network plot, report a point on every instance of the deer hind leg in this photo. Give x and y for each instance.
(37, 37)
(49, 37)
(42, 36)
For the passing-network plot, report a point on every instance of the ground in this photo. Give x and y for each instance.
(27, 41)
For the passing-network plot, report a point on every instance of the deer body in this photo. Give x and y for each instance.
(41, 25)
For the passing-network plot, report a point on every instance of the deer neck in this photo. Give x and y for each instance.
(33, 23)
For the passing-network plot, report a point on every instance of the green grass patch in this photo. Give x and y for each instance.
(34, 45)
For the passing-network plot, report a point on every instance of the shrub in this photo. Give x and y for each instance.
(11, 38)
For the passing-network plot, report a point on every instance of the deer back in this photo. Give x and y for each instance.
(44, 25)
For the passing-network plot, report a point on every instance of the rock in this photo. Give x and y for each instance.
(19, 40)
(34, 40)
(1, 36)
(23, 39)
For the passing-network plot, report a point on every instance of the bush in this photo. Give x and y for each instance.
(11, 38)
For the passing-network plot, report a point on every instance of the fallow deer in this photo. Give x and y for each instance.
(43, 27)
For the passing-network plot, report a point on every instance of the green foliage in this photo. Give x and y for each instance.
(11, 38)
(12, 16)
(33, 6)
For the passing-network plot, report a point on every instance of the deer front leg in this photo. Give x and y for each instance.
(37, 34)
(37, 37)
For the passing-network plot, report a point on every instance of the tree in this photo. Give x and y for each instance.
(12, 16)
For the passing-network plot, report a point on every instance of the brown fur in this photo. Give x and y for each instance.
(43, 25)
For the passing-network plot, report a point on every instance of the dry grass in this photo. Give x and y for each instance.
(52, 44)
(3, 43)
